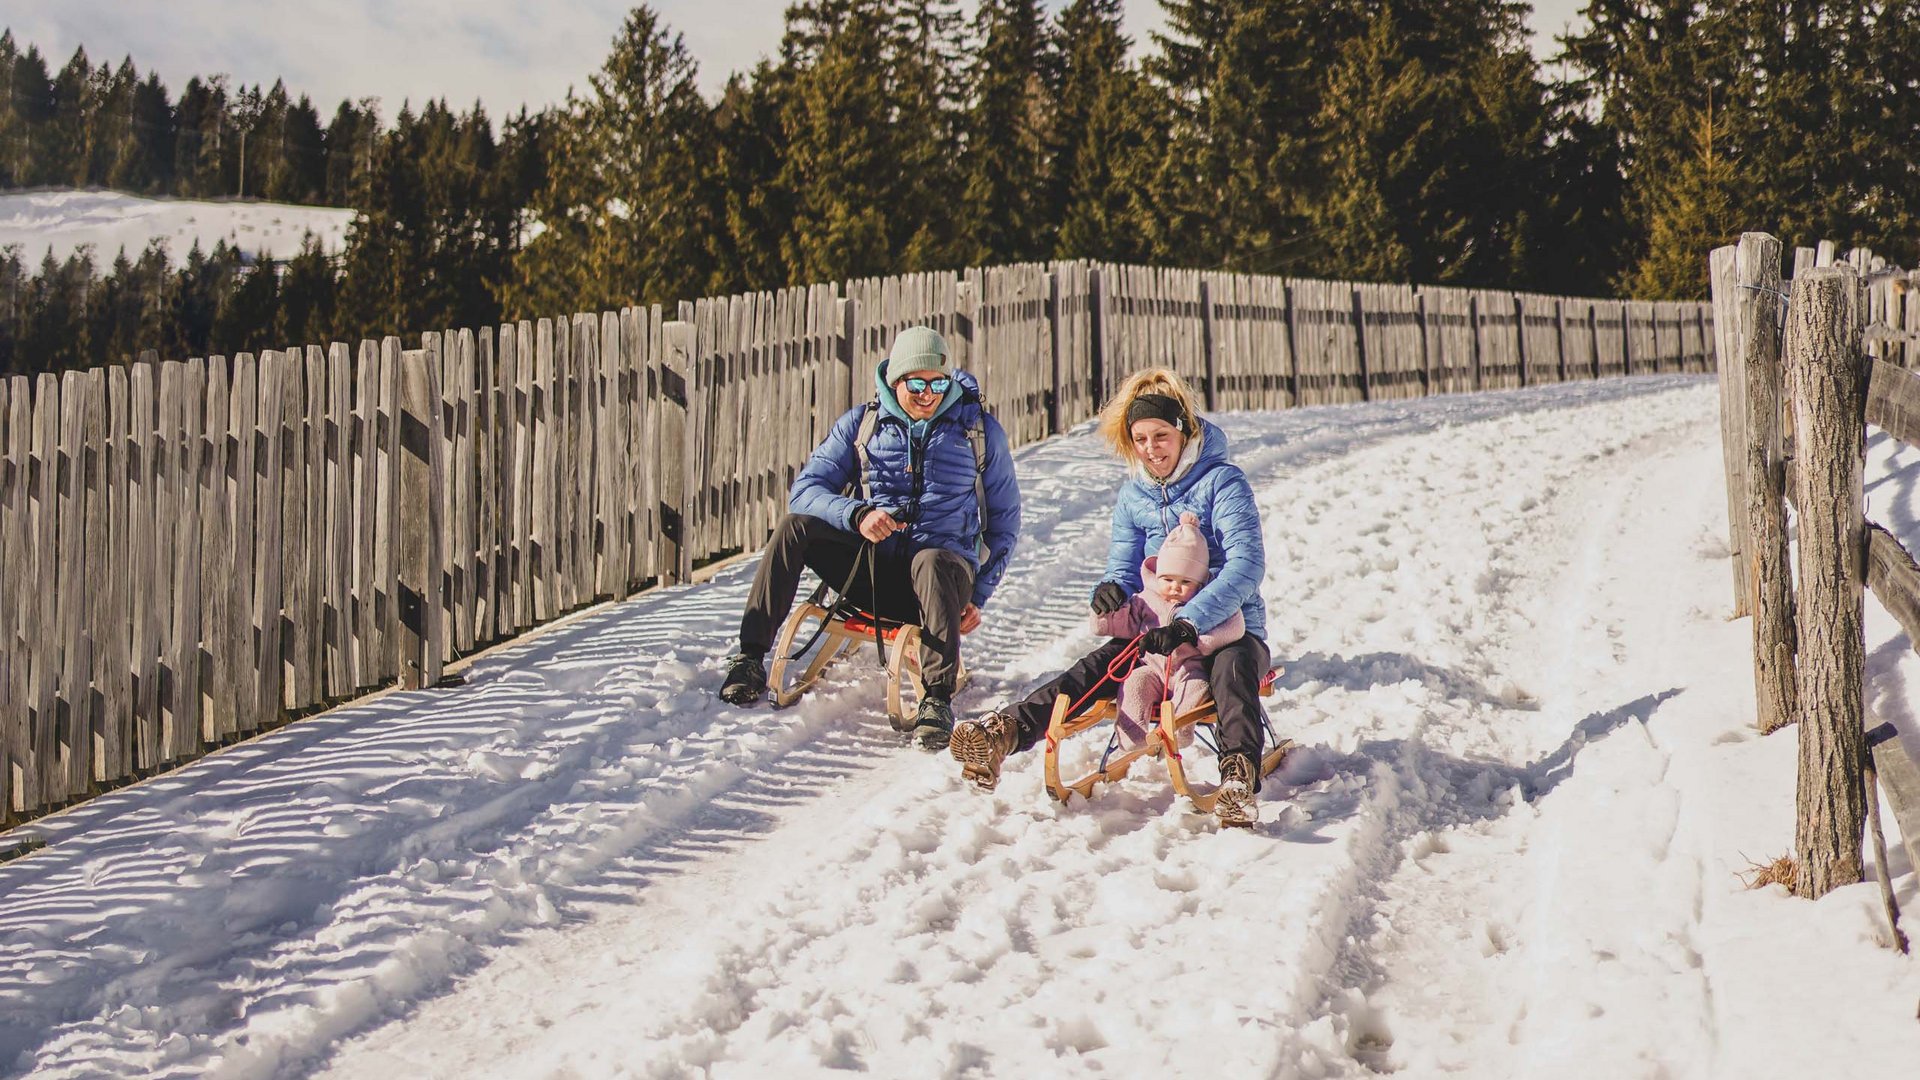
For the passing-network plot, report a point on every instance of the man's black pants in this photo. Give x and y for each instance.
(1233, 674)
(928, 588)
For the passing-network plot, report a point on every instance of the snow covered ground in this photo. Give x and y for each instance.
(1511, 847)
(111, 222)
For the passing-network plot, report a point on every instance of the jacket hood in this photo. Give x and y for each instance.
(963, 384)
(1212, 451)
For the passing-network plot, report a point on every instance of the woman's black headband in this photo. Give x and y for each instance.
(1157, 407)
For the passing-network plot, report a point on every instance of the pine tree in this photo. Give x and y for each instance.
(1433, 136)
(1005, 161)
(753, 208)
(198, 149)
(13, 286)
(110, 133)
(871, 91)
(64, 153)
(195, 300)
(307, 297)
(244, 320)
(55, 332)
(144, 163)
(1245, 85)
(1693, 214)
(838, 138)
(621, 218)
(29, 110)
(923, 52)
(1647, 70)
(1108, 140)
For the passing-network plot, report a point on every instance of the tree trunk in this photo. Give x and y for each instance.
(1826, 371)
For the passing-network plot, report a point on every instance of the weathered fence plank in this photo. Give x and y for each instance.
(339, 522)
(268, 582)
(545, 462)
(419, 525)
(180, 686)
(73, 734)
(145, 577)
(17, 560)
(294, 622)
(365, 449)
(386, 546)
(486, 491)
(103, 620)
(213, 674)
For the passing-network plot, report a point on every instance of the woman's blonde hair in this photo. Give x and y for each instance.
(1113, 419)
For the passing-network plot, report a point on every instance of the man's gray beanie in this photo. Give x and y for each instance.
(917, 348)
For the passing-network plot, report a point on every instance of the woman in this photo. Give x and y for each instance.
(1177, 463)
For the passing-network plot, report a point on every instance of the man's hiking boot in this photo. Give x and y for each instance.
(981, 745)
(933, 723)
(1234, 806)
(746, 679)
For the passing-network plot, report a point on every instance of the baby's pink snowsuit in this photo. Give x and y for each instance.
(1184, 553)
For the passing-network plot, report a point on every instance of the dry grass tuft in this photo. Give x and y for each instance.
(1780, 871)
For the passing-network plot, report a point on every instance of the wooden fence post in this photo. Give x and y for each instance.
(1097, 333)
(1207, 346)
(1728, 313)
(1757, 275)
(421, 525)
(676, 561)
(1828, 394)
(1360, 342)
(1055, 421)
(1520, 338)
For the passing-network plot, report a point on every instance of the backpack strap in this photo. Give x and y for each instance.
(869, 420)
(977, 438)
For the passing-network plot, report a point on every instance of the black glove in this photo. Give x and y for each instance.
(1162, 640)
(1108, 598)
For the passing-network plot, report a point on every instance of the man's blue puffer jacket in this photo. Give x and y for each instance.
(937, 501)
(1218, 492)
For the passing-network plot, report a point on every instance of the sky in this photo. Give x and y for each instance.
(502, 53)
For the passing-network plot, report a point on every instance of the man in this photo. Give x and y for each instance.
(923, 478)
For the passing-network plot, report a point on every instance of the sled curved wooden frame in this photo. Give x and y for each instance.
(1163, 742)
(842, 637)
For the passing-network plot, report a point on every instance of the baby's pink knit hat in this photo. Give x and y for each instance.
(1184, 554)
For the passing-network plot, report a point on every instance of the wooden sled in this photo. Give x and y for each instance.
(1162, 742)
(840, 635)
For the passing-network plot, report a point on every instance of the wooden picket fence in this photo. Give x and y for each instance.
(194, 551)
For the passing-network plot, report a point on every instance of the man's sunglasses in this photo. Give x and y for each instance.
(918, 385)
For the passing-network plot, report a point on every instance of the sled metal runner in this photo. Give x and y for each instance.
(840, 632)
(1162, 742)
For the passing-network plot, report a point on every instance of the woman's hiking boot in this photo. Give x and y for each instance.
(981, 745)
(746, 679)
(1233, 806)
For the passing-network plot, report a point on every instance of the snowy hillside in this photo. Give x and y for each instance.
(1511, 846)
(112, 222)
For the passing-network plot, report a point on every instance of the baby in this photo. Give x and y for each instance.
(1171, 578)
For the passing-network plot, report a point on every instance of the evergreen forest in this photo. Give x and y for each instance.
(1373, 140)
